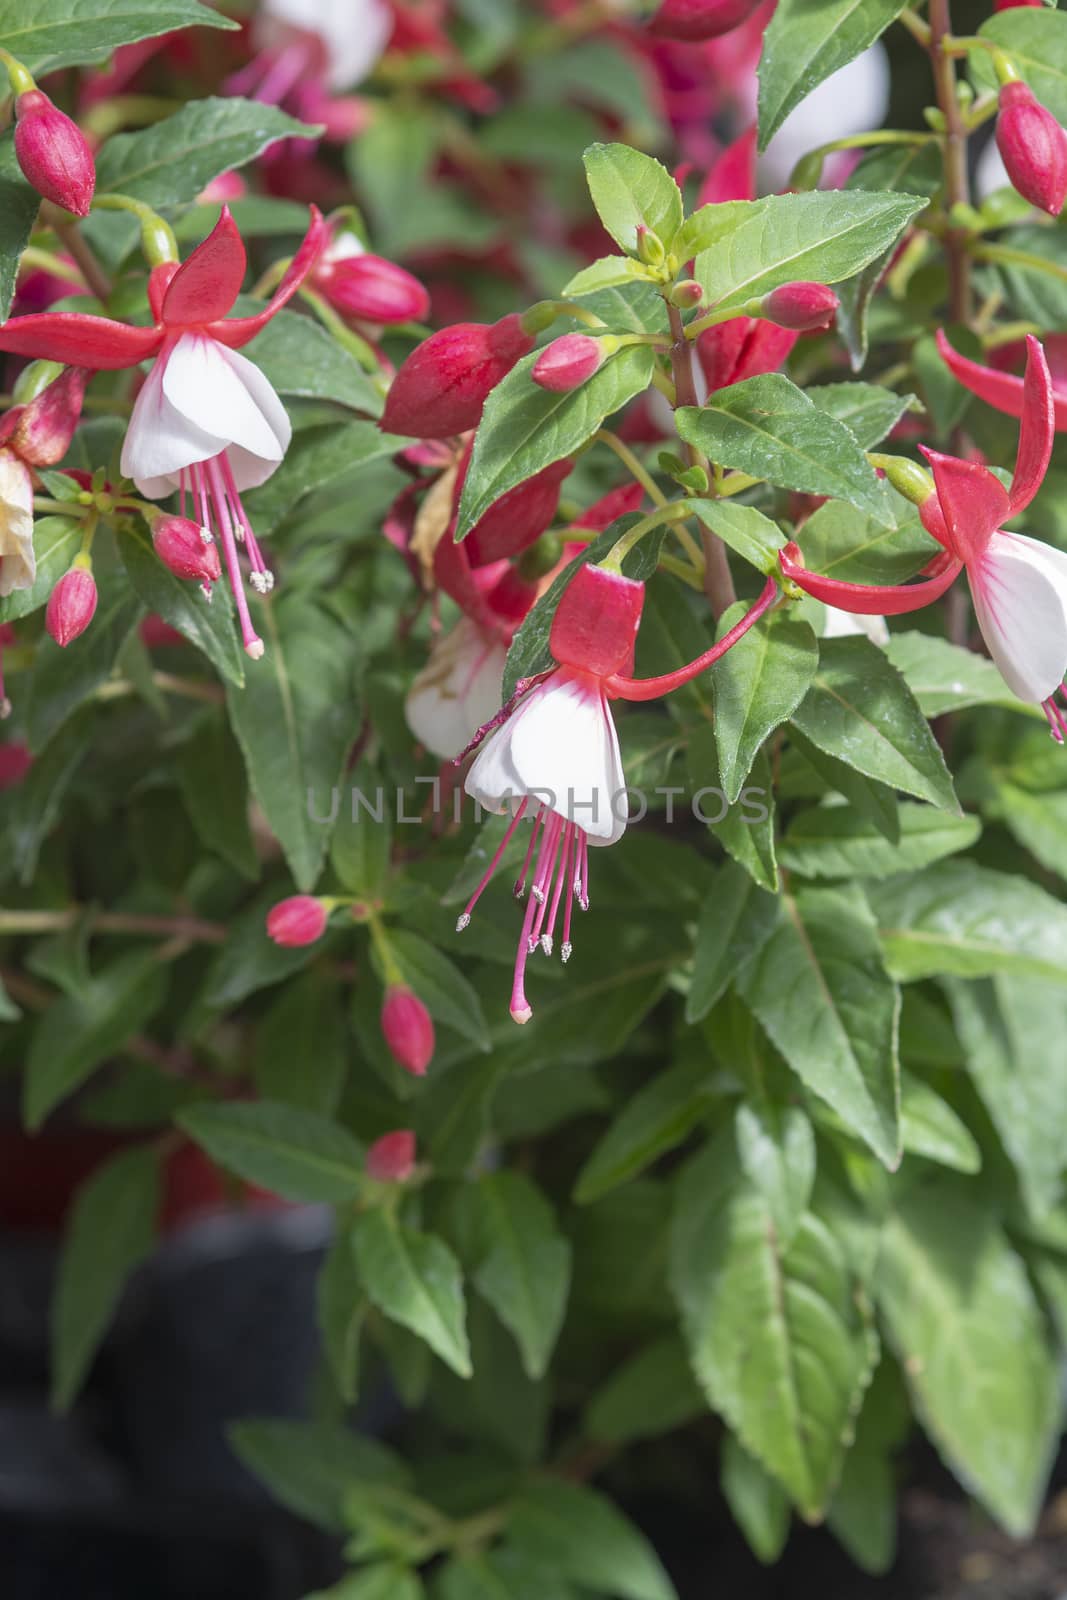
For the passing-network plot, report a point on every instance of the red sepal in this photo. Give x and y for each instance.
(733, 177)
(79, 340)
(596, 621)
(237, 331)
(973, 501)
(207, 284)
(1004, 390)
(1037, 430)
(866, 599)
(652, 688)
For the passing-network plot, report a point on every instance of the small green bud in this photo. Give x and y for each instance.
(906, 477)
(32, 379)
(808, 171)
(650, 247)
(695, 479)
(686, 295)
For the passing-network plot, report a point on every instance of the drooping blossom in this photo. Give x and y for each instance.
(71, 605)
(206, 421)
(339, 39)
(53, 153)
(444, 383)
(37, 434)
(1018, 584)
(552, 759)
(367, 288)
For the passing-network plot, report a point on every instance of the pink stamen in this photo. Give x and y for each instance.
(557, 892)
(240, 520)
(1056, 720)
(520, 882)
(250, 639)
(465, 917)
(550, 852)
(520, 1006)
(581, 881)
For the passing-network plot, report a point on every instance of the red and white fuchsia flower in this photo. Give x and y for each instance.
(37, 434)
(554, 759)
(444, 383)
(206, 422)
(1018, 584)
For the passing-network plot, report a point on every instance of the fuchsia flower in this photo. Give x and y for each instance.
(1019, 585)
(71, 606)
(554, 759)
(1003, 389)
(696, 20)
(444, 383)
(297, 921)
(34, 435)
(391, 1159)
(368, 288)
(206, 421)
(801, 306)
(568, 362)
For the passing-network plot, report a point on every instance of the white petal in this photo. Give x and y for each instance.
(990, 173)
(1020, 597)
(561, 747)
(839, 624)
(18, 562)
(458, 690)
(160, 440)
(354, 32)
(851, 100)
(210, 385)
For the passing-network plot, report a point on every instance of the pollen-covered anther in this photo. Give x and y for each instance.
(565, 952)
(463, 921)
(538, 894)
(546, 943)
(206, 534)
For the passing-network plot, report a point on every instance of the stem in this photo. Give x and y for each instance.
(1019, 258)
(718, 583)
(344, 335)
(957, 187)
(621, 548)
(45, 261)
(184, 928)
(632, 465)
(170, 683)
(89, 267)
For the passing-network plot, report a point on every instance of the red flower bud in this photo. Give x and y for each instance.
(71, 605)
(1010, 5)
(408, 1029)
(518, 518)
(1033, 148)
(694, 20)
(40, 431)
(596, 621)
(391, 1159)
(53, 153)
(801, 307)
(568, 362)
(299, 920)
(444, 383)
(371, 289)
(186, 549)
(15, 762)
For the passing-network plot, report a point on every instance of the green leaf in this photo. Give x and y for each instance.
(652, 1393)
(605, 274)
(821, 237)
(840, 544)
(745, 530)
(759, 1505)
(300, 358)
(64, 33)
(311, 1466)
(656, 1119)
(962, 919)
(1012, 1032)
(735, 922)
(868, 411)
(573, 1528)
(361, 847)
(836, 842)
(929, 1127)
(318, 457)
(776, 1149)
(775, 1334)
(803, 46)
(440, 985)
(523, 1264)
(415, 1279)
(383, 1581)
(19, 204)
(631, 190)
(295, 720)
(77, 1033)
(56, 541)
(64, 679)
(503, 1574)
(302, 1046)
(757, 686)
(962, 1318)
(943, 677)
(296, 1154)
(173, 160)
(341, 1309)
(820, 991)
(525, 428)
(110, 1232)
(746, 830)
(207, 624)
(211, 776)
(1037, 46)
(863, 1515)
(860, 711)
(768, 427)
(872, 800)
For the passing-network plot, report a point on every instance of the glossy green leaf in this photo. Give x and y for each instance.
(580, 1532)
(943, 677)
(836, 842)
(110, 1232)
(776, 1149)
(769, 428)
(759, 1504)
(656, 1119)
(631, 190)
(735, 922)
(803, 45)
(757, 686)
(64, 33)
(744, 529)
(522, 1263)
(207, 624)
(930, 1128)
(56, 541)
(1036, 44)
(212, 780)
(605, 274)
(311, 1466)
(302, 1046)
(19, 204)
(859, 549)
(64, 679)
(440, 985)
(652, 1393)
(293, 1153)
(868, 411)
(525, 428)
(300, 358)
(415, 1279)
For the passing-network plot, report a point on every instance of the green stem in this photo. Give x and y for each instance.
(1019, 258)
(343, 334)
(957, 187)
(632, 465)
(674, 511)
(190, 928)
(718, 581)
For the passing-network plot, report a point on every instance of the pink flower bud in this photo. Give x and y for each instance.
(1010, 5)
(186, 549)
(299, 920)
(694, 20)
(568, 362)
(40, 431)
(520, 516)
(444, 383)
(53, 153)
(408, 1029)
(371, 289)
(801, 307)
(391, 1159)
(15, 762)
(71, 605)
(1033, 148)
(596, 621)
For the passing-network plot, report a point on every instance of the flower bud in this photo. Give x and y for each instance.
(444, 383)
(370, 289)
(186, 549)
(408, 1029)
(687, 294)
(299, 920)
(40, 432)
(1033, 148)
(391, 1159)
(71, 605)
(53, 153)
(568, 362)
(800, 307)
(15, 761)
(694, 20)
(520, 516)
(650, 247)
